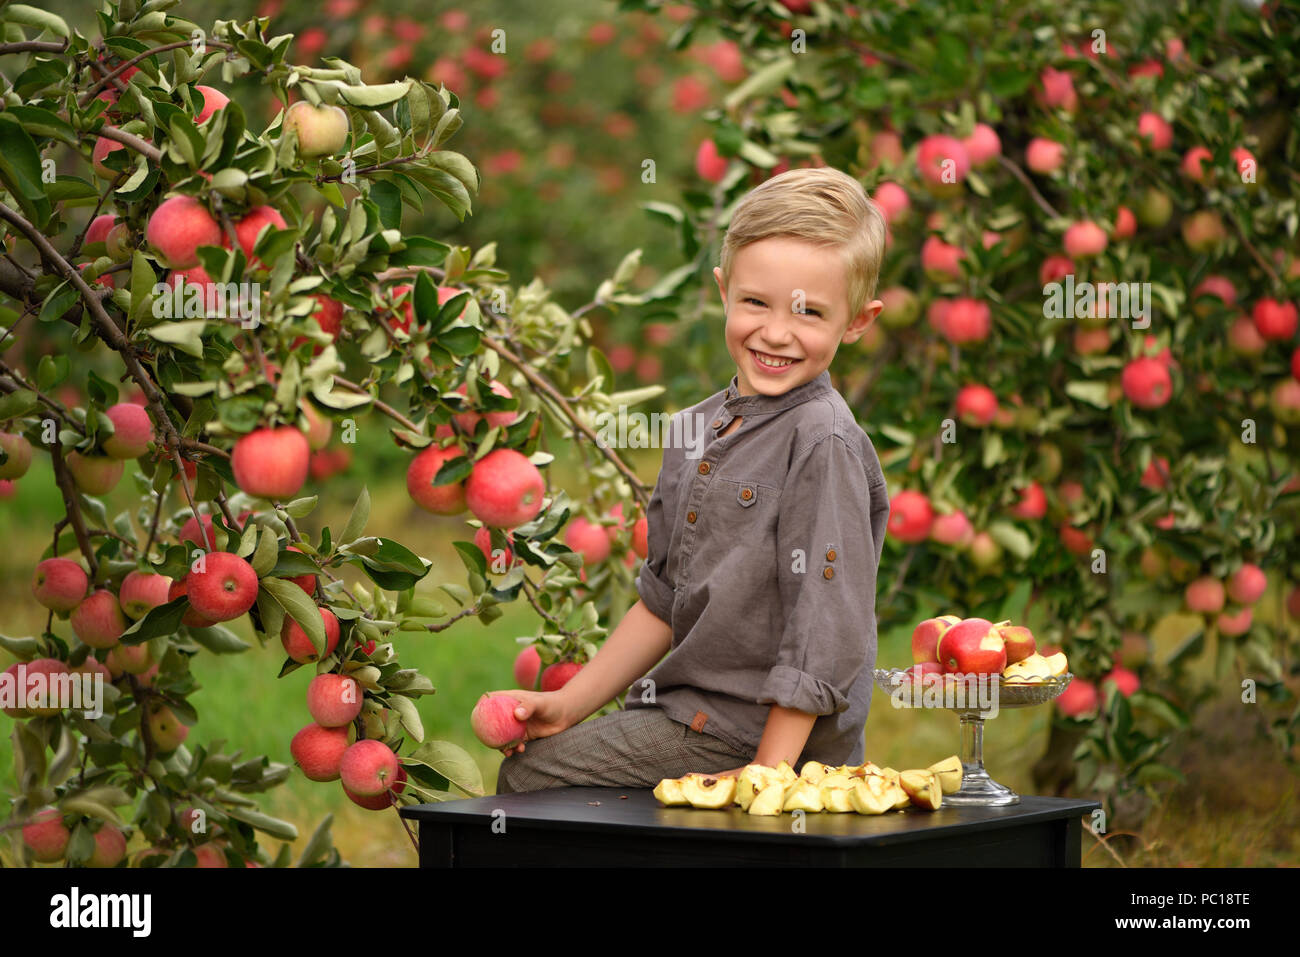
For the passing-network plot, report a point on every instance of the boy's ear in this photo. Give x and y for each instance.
(862, 321)
(717, 275)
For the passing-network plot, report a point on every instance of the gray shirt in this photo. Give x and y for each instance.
(763, 549)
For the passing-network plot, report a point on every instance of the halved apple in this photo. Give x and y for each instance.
(701, 790)
(767, 803)
(753, 779)
(813, 771)
(669, 792)
(1057, 665)
(922, 788)
(803, 796)
(949, 772)
(867, 798)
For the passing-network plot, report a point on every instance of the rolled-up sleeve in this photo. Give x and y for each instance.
(827, 556)
(652, 582)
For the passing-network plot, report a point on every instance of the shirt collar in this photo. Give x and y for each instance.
(738, 404)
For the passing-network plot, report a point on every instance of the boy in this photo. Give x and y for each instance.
(764, 538)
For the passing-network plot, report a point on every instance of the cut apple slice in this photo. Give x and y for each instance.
(786, 773)
(669, 792)
(922, 788)
(836, 798)
(868, 800)
(813, 771)
(701, 790)
(767, 803)
(803, 796)
(949, 772)
(1057, 665)
(753, 779)
(836, 779)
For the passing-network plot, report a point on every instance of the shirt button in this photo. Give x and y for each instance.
(828, 573)
(690, 517)
(830, 556)
(716, 423)
(704, 468)
(746, 493)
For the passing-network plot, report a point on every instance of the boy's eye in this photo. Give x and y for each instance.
(752, 299)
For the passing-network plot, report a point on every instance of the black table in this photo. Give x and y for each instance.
(612, 827)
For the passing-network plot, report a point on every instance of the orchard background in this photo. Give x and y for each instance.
(1110, 480)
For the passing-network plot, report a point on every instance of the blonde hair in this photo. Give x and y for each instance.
(823, 206)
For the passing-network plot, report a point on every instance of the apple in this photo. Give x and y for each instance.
(1057, 90)
(1084, 240)
(98, 620)
(368, 768)
(319, 751)
(321, 130)
(166, 731)
(384, 800)
(319, 427)
(48, 667)
(1154, 208)
(1156, 475)
(1236, 623)
(1275, 321)
(941, 260)
(1284, 400)
(926, 635)
(953, 528)
(1126, 681)
(18, 452)
(943, 163)
(983, 146)
(1080, 698)
(100, 227)
(1205, 595)
(1032, 504)
(1247, 584)
(224, 589)
(143, 591)
(985, 552)
(213, 100)
(1203, 231)
(248, 228)
(1194, 163)
(271, 462)
(1075, 540)
(210, 855)
(641, 533)
(190, 530)
(191, 617)
(297, 645)
(328, 315)
(110, 847)
(103, 146)
(1147, 383)
(556, 676)
(901, 307)
(949, 773)
(922, 788)
(893, 202)
(976, 405)
(973, 646)
(1054, 269)
(710, 165)
(966, 320)
(60, 584)
(504, 489)
(94, 474)
(306, 582)
(1125, 224)
(1243, 162)
(503, 559)
(128, 659)
(438, 499)
(494, 721)
(1044, 156)
(333, 700)
(527, 663)
(46, 836)
(1091, 342)
(468, 421)
(587, 539)
(1155, 131)
(1019, 641)
(910, 516)
(706, 791)
(132, 431)
(178, 227)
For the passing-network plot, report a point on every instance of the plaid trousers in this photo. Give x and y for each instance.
(636, 748)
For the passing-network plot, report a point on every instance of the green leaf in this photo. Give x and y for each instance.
(64, 297)
(452, 762)
(300, 607)
(35, 17)
(265, 823)
(319, 844)
(218, 640)
(357, 520)
(186, 336)
(408, 714)
(20, 170)
(1093, 393)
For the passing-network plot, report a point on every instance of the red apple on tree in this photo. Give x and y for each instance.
(319, 751)
(368, 768)
(271, 462)
(504, 489)
(446, 499)
(143, 591)
(60, 584)
(321, 130)
(178, 227)
(223, 588)
(297, 643)
(98, 620)
(556, 676)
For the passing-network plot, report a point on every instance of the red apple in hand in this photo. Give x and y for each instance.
(494, 721)
(926, 635)
(974, 647)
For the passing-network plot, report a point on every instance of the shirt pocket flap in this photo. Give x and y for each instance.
(747, 494)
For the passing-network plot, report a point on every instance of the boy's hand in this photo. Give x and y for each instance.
(543, 713)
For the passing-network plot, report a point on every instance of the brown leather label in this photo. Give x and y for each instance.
(697, 725)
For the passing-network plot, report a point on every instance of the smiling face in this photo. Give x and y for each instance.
(770, 280)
